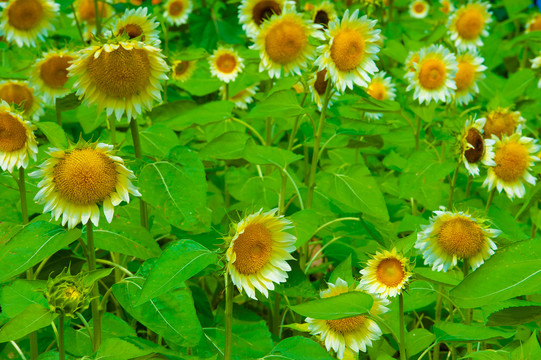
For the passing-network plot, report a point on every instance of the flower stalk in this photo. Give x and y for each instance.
(95, 303)
(228, 315)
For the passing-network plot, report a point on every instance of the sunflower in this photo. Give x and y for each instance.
(122, 76)
(75, 181)
(470, 70)
(433, 75)
(536, 64)
(353, 333)
(17, 140)
(446, 6)
(177, 11)
(380, 88)
(386, 274)
(474, 148)
(243, 97)
(226, 64)
(283, 42)
(534, 24)
(24, 21)
(182, 70)
(502, 121)
(514, 157)
(318, 85)
(252, 13)
(350, 51)
(21, 95)
(137, 24)
(411, 60)
(451, 236)
(85, 10)
(257, 253)
(50, 74)
(419, 9)
(323, 14)
(468, 24)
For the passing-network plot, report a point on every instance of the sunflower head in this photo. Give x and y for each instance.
(475, 149)
(182, 70)
(20, 95)
(86, 10)
(226, 64)
(419, 9)
(50, 74)
(323, 14)
(177, 11)
(136, 24)
(470, 69)
(253, 13)
(502, 121)
(534, 24)
(446, 6)
(468, 23)
(68, 294)
(386, 274)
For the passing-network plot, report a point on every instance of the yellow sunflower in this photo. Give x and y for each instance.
(318, 85)
(177, 11)
(350, 51)
(419, 9)
(50, 74)
(433, 75)
(446, 6)
(182, 70)
(85, 10)
(386, 274)
(323, 14)
(283, 42)
(77, 180)
(258, 252)
(380, 88)
(241, 98)
(453, 236)
(24, 21)
(17, 140)
(502, 121)
(226, 64)
(474, 148)
(137, 24)
(252, 13)
(470, 70)
(123, 76)
(21, 95)
(534, 24)
(514, 157)
(468, 24)
(353, 333)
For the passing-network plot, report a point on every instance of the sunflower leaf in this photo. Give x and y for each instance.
(342, 306)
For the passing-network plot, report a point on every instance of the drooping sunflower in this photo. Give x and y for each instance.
(121, 77)
(470, 70)
(419, 9)
(453, 236)
(502, 121)
(21, 95)
(468, 24)
(386, 274)
(258, 252)
(182, 70)
(353, 333)
(283, 42)
(534, 24)
(318, 85)
(25, 21)
(514, 157)
(77, 180)
(252, 13)
(474, 148)
(50, 74)
(323, 14)
(177, 11)
(136, 23)
(226, 64)
(380, 88)
(536, 64)
(241, 98)
(446, 6)
(17, 140)
(433, 75)
(350, 51)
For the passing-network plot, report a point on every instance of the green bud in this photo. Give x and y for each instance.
(67, 293)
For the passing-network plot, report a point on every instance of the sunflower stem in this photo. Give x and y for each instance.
(228, 315)
(88, 330)
(98, 20)
(77, 23)
(276, 318)
(95, 303)
(226, 91)
(61, 351)
(469, 312)
(437, 318)
(452, 186)
(402, 343)
(139, 155)
(490, 198)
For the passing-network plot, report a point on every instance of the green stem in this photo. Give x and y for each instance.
(281, 199)
(469, 312)
(228, 316)
(95, 304)
(276, 318)
(418, 134)
(77, 23)
(61, 351)
(251, 128)
(402, 343)
(226, 91)
(87, 327)
(22, 194)
(98, 20)
(139, 155)
(437, 318)
(490, 198)
(452, 187)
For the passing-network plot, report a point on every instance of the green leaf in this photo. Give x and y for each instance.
(305, 224)
(95, 275)
(451, 278)
(446, 331)
(529, 350)
(129, 347)
(268, 155)
(158, 140)
(18, 295)
(68, 102)
(342, 306)
(489, 355)
(32, 244)
(281, 104)
(343, 271)
(227, 146)
(513, 312)
(418, 340)
(33, 318)
(298, 348)
(514, 7)
(518, 82)
(179, 262)
(512, 271)
(54, 133)
(202, 115)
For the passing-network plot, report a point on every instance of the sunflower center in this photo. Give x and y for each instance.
(445, 7)
(25, 14)
(347, 325)
(285, 42)
(321, 84)
(226, 63)
(461, 237)
(475, 139)
(87, 11)
(322, 18)
(85, 176)
(470, 24)
(465, 75)
(432, 74)
(120, 73)
(347, 49)
(71, 293)
(12, 133)
(263, 10)
(419, 8)
(536, 24)
(17, 94)
(511, 161)
(253, 249)
(181, 67)
(390, 272)
(54, 71)
(176, 8)
(133, 31)
(499, 123)
(377, 90)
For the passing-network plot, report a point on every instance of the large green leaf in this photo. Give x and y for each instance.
(282, 103)
(54, 133)
(447, 331)
(33, 318)
(528, 350)
(179, 262)
(157, 140)
(227, 146)
(202, 115)
(342, 306)
(418, 340)
(298, 348)
(263, 155)
(18, 295)
(128, 347)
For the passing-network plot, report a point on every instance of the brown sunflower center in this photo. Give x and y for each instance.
(347, 325)
(176, 8)
(377, 90)
(432, 74)
(512, 161)
(470, 24)
(347, 49)
(253, 249)
(322, 18)
(475, 139)
(419, 8)
(181, 67)
(321, 84)
(465, 75)
(445, 7)
(133, 31)
(54, 71)
(226, 63)
(263, 10)
(120, 73)
(17, 94)
(461, 237)
(85, 176)
(12, 133)
(535, 25)
(499, 123)
(25, 14)
(390, 272)
(87, 11)
(285, 42)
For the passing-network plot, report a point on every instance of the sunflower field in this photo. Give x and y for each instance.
(270, 179)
